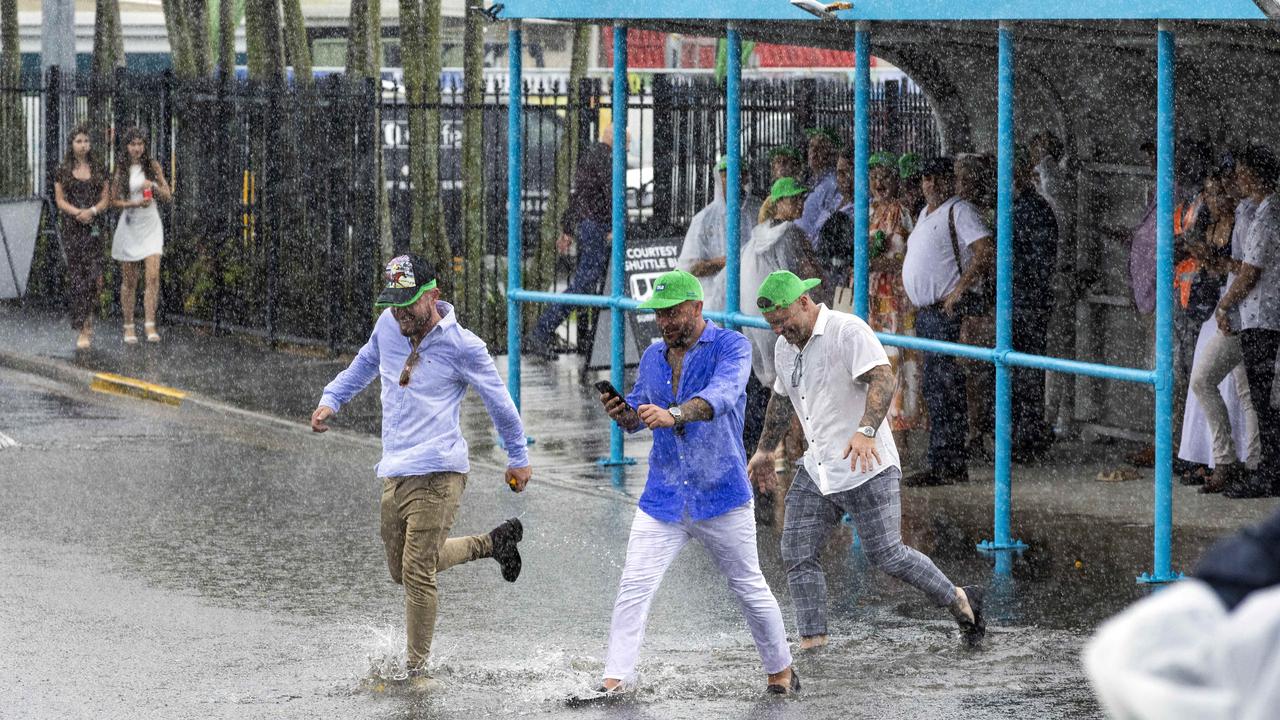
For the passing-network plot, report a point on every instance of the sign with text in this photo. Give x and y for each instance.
(646, 261)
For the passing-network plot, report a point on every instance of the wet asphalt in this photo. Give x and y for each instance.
(164, 562)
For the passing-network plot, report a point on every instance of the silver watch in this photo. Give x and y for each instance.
(867, 430)
(676, 413)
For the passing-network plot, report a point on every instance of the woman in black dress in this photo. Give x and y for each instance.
(81, 190)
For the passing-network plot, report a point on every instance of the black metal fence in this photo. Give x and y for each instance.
(676, 130)
(276, 227)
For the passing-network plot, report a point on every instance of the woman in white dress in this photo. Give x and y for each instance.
(139, 238)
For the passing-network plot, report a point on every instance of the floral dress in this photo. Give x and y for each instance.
(890, 311)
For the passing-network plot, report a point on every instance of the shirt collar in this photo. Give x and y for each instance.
(824, 314)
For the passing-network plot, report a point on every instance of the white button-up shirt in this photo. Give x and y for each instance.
(830, 399)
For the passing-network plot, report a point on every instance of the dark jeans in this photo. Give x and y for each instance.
(1030, 431)
(1259, 348)
(944, 394)
(593, 259)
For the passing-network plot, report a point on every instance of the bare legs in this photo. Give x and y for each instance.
(150, 294)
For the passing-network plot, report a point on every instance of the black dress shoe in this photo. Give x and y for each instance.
(505, 537)
(973, 630)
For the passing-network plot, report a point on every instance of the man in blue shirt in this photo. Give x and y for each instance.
(824, 199)
(426, 362)
(690, 392)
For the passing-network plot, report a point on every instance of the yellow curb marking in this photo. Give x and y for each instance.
(132, 387)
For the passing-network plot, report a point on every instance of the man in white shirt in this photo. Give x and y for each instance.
(703, 252)
(949, 252)
(834, 374)
(1251, 306)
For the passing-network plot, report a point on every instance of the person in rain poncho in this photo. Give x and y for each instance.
(703, 252)
(777, 244)
(1206, 648)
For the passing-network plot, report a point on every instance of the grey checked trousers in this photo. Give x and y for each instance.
(876, 509)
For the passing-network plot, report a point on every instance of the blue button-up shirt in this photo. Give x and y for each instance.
(702, 470)
(823, 199)
(420, 428)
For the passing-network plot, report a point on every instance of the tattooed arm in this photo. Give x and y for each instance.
(881, 382)
(777, 419)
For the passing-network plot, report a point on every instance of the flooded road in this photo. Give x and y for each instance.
(168, 563)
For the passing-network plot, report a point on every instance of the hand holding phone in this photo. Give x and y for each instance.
(614, 403)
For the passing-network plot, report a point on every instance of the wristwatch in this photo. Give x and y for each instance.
(867, 430)
(677, 414)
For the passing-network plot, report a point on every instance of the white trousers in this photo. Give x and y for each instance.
(1220, 357)
(731, 540)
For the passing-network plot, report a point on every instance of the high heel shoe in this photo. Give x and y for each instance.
(152, 335)
(130, 336)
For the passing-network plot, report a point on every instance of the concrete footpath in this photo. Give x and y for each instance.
(233, 373)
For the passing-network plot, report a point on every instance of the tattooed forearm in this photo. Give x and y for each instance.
(777, 420)
(696, 410)
(882, 381)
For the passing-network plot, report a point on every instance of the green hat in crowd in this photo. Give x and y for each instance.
(786, 187)
(909, 166)
(826, 132)
(782, 288)
(787, 151)
(883, 159)
(671, 289)
(723, 163)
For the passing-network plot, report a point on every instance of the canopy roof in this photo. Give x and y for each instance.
(903, 10)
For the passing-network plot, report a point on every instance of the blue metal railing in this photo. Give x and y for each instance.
(1002, 355)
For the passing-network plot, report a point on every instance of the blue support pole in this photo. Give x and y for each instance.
(1004, 298)
(515, 241)
(1162, 571)
(861, 154)
(733, 179)
(617, 285)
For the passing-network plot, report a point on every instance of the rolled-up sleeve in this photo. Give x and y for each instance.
(362, 370)
(733, 369)
(482, 374)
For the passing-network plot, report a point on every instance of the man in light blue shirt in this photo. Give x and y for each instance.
(690, 392)
(426, 361)
(824, 197)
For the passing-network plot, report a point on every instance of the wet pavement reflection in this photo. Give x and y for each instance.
(175, 563)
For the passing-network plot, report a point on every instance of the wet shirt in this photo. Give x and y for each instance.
(1035, 254)
(929, 270)
(420, 422)
(699, 469)
(821, 380)
(1245, 210)
(821, 201)
(1260, 309)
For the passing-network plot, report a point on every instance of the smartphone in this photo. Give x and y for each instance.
(604, 387)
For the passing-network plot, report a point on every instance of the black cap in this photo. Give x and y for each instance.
(405, 278)
(938, 167)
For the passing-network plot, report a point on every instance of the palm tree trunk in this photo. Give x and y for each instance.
(473, 156)
(13, 154)
(295, 37)
(437, 239)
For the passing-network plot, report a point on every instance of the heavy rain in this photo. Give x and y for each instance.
(668, 360)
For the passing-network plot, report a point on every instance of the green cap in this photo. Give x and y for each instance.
(723, 163)
(826, 132)
(782, 288)
(786, 187)
(909, 166)
(883, 159)
(671, 289)
(787, 151)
